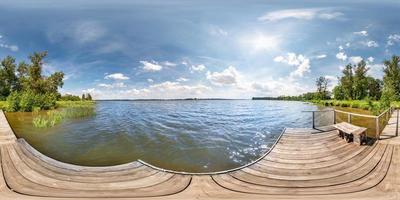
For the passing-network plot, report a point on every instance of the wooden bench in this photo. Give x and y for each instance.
(351, 132)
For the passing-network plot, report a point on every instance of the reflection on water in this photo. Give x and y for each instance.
(194, 136)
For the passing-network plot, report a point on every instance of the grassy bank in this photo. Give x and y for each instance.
(375, 107)
(65, 110)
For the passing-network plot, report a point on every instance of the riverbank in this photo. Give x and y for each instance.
(375, 107)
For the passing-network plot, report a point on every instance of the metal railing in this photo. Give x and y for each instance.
(374, 124)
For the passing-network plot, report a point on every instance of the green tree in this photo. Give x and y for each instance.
(347, 81)
(374, 88)
(322, 88)
(391, 80)
(29, 88)
(83, 97)
(89, 97)
(338, 93)
(8, 79)
(360, 81)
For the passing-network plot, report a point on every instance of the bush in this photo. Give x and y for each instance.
(27, 101)
(13, 102)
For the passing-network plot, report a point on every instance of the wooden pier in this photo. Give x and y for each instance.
(303, 164)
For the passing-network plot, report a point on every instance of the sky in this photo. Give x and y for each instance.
(206, 49)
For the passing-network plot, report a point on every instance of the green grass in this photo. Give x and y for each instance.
(374, 107)
(66, 110)
(3, 105)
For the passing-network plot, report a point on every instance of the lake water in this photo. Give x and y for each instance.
(192, 136)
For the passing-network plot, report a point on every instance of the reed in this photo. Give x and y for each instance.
(67, 111)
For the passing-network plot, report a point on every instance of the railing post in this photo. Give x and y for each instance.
(334, 116)
(313, 117)
(349, 118)
(377, 127)
(397, 124)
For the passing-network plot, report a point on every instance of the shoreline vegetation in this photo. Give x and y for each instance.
(24, 88)
(66, 110)
(356, 89)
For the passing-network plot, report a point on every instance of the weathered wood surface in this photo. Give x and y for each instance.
(304, 164)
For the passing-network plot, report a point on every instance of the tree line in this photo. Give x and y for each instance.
(25, 87)
(356, 84)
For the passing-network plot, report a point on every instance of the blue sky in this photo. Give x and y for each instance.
(182, 49)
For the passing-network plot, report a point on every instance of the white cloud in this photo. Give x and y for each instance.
(375, 70)
(151, 66)
(341, 56)
(111, 86)
(304, 14)
(392, 39)
(370, 43)
(347, 44)
(88, 31)
(181, 79)
(150, 80)
(261, 42)
(116, 76)
(197, 68)
(169, 64)
(217, 31)
(278, 87)
(355, 59)
(321, 56)
(361, 33)
(229, 76)
(370, 59)
(340, 47)
(8, 46)
(90, 90)
(301, 62)
(333, 81)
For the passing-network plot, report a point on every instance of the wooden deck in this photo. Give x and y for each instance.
(304, 164)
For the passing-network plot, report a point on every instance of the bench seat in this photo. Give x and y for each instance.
(352, 132)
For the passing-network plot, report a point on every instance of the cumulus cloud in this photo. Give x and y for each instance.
(303, 14)
(111, 86)
(361, 33)
(341, 56)
(228, 76)
(151, 66)
(278, 87)
(182, 79)
(370, 59)
(393, 39)
(197, 68)
(332, 81)
(375, 70)
(150, 80)
(370, 43)
(355, 59)
(116, 76)
(169, 64)
(301, 62)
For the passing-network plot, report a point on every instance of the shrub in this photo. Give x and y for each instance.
(13, 102)
(27, 101)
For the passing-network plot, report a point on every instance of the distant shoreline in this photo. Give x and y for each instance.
(197, 99)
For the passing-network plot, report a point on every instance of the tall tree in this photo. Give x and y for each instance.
(346, 82)
(391, 80)
(8, 78)
(360, 90)
(322, 87)
(374, 88)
